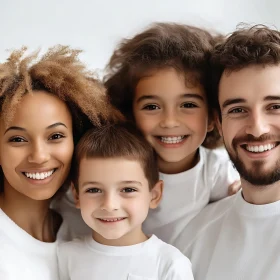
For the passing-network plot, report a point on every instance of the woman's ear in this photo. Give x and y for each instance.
(156, 194)
(76, 196)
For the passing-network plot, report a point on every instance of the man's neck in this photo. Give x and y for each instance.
(260, 195)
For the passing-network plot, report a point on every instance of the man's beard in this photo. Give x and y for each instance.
(256, 175)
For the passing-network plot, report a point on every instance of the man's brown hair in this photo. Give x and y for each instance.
(256, 45)
(185, 48)
(60, 73)
(120, 140)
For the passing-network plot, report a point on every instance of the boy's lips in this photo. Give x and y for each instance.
(171, 139)
(111, 220)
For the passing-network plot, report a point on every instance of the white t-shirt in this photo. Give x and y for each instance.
(151, 260)
(186, 193)
(24, 257)
(232, 239)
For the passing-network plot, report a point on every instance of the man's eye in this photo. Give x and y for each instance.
(151, 107)
(188, 105)
(128, 190)
(57, 136)
(236, 111)
(16, 139)
(93, 190)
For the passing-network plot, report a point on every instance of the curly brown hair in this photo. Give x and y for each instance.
(248, 45)
(185, 48)
(59, 72)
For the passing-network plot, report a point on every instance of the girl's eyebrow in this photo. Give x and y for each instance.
(184, 95)
(23, 129)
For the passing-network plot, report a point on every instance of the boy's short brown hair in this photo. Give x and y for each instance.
(248, 45)
(185, 48)
(122, 140)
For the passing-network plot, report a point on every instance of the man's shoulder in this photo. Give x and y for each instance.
(205, 223)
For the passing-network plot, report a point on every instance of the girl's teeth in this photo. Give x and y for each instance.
(260, 148)
(172, 140)
(39, 176)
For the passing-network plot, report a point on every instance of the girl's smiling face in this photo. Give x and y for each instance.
(173, 117)
(36, 146)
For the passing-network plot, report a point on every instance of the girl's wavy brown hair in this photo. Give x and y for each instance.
(59, 72)
(185, 48)
(248, 45)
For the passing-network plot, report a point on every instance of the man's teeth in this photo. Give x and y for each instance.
(39, 175)
(172, 140)
(260, 149)
(111, 220)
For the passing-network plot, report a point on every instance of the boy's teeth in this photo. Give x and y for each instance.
(39, 175)
(112, 220)
(260, 148)
(172, 140)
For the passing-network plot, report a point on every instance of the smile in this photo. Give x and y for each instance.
(39, 175)
(260, 148)
(171, 139)
(111, 220)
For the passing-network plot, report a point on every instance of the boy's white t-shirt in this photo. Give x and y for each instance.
(232, 239)
(24, 257)
(186, 194)
(151, 260)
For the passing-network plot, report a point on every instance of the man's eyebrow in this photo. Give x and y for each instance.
(23, 129)
(233, 101)
(272, 98)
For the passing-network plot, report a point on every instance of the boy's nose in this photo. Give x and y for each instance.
(110, 203)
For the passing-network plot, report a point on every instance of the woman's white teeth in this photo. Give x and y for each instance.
(260, 148)
(39, 175)
(172, 140)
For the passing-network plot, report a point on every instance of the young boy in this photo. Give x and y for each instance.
(116, 182)
(159, 79)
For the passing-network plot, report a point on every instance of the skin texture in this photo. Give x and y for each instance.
(250, 105)
(115, 188)
(38, 139)
(165, 106)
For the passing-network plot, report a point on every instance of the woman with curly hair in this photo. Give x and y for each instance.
(46, 103)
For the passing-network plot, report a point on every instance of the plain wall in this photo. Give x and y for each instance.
(97, 26)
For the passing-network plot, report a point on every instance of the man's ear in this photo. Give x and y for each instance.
(156, 194)
(218, 122)
(76, 196)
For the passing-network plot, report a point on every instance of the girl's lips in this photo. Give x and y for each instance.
(170, 143)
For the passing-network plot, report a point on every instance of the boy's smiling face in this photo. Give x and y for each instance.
(173, 118)
(114, 199)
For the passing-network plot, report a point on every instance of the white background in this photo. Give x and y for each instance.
(97, 26)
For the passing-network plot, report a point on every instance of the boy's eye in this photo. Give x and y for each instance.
(57, 136)
(93, 190)
(189, 105)
(17, 139)
(128, 190)
(151, 107)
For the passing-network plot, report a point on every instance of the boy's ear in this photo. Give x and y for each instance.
(76, 196)
(218, 122)
(156, 194)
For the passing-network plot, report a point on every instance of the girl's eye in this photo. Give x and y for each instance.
(236, 111)
(151, 107)
(93, 190)
(57, 136)
(17, 139)
(188, 105)
(128, 190)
